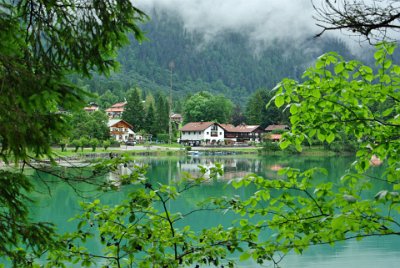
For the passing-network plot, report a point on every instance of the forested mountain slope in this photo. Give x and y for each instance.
(229, 64)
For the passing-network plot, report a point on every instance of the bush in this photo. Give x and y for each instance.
(94, 143)
(163, 138)
(188, 148)
(114, 143)
(76, 144)
(270, 146)
(106, 144)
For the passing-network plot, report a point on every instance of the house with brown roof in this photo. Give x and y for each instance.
(116, 110)
(121, 130)
(271, 128)
(177, 118)
(92, 107)
(197, 133)
(242, 133)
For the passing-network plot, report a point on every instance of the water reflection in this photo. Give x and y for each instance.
(372, 252)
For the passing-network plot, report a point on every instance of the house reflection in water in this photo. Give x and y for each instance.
(233, 168)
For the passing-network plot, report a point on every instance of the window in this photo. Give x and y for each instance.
(220, 133)
(208, 133)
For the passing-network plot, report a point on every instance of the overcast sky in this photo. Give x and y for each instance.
(261, 19)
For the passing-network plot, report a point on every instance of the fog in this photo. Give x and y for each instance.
(260, 20)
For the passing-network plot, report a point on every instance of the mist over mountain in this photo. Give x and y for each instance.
(222, 60)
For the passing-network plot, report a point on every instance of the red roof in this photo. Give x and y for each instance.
(196, 126)
(274, 127)
(117, 107)
(239, 128)
(275, 137)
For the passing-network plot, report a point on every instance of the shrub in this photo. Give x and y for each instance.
(164, 138)
(106, 144)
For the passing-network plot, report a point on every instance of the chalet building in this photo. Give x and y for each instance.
(275, 136)
(242, 133)
(92, 107)
(116, 110)
(197, 133)
(121, 130)
(177, 118)
(271, 128)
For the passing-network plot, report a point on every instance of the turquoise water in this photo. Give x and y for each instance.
(371, 252)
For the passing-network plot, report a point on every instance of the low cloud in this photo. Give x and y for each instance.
(260, 20)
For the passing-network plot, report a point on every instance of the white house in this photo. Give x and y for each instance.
(121, 130)
(197, 133)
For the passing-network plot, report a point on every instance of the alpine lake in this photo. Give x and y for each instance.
(63, 203)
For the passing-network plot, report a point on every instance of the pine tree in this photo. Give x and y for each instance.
(134, 110)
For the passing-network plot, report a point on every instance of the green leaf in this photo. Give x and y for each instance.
(284, 144)
(339, 68)
(293, 109)
(279, 100)
(330, 137)
(320, 136)
(245, 256)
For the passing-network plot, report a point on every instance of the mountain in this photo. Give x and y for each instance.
(229, 64)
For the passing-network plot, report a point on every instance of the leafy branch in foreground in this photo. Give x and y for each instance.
(296, 212)
(142, 231)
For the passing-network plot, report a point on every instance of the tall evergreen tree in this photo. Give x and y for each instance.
(258, 114)
(162, 113)
(150, 120)
(134, 110)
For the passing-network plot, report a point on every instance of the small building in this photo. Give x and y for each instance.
(242, 133)
(197, 133)
(121, 130)
(271, 128)
(116, 110)
(92, 107)
(177, 118)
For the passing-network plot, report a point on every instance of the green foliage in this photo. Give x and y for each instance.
(270, 146)
(76, 143)
(141, 231)
(162, 114)
(18, 235)
(94, 143)
(164, 138)
(204, 106)
(257, 113)
(134, 112)
(93, 125)
(336, 98)
(84, 141)
(106, 144)
(228, 64)
(42, 42)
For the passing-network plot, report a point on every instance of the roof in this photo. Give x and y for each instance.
(196, 126)
(117, 107)
(91, 108)
(239, 128)
(275, 136)
(119, 104)
(176, 116)
(113, 122)
(274, 127)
